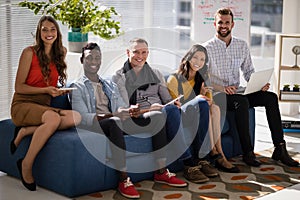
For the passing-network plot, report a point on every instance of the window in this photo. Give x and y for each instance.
(184, 22)
(185, 7)
(14, 37)
(266, 21)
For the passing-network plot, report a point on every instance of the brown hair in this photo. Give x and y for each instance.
(224, 11)
(185, 66)
(57, 54)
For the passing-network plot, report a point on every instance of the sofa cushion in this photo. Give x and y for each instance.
(64, 165)
(232, 134)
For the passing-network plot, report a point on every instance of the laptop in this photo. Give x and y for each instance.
(256, 82)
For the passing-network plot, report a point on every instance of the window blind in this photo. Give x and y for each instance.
(16, 25)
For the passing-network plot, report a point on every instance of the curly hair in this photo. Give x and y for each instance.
(57, 54)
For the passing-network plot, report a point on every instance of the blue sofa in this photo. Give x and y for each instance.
(67, 167)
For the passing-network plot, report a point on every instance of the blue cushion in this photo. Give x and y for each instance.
(230, 138)
(64, 165)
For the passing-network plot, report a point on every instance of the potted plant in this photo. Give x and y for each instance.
(296, 88)
(81, 17)
(286, 87)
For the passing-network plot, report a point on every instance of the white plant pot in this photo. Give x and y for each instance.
(76, 40)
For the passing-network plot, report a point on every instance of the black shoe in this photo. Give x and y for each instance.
(13, 147)
(280, 153)
(29, 186)
(213, 158)
(250, 159)
(233, 169)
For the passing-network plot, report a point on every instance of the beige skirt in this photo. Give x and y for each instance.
(27, 110)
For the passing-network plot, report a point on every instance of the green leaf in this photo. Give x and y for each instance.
(82, 14)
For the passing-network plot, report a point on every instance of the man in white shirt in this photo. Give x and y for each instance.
(228, 56)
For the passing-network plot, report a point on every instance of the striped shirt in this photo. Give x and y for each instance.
(226, 62)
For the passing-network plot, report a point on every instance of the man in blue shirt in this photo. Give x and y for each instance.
(104, 111)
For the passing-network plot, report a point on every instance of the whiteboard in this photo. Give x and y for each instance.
(202, 27)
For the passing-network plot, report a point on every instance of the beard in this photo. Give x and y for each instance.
(224, 34)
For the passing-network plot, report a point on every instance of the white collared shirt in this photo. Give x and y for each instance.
(226, 62)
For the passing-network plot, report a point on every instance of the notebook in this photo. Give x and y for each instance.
(256, 82)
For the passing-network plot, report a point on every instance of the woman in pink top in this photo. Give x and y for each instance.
(40, 69)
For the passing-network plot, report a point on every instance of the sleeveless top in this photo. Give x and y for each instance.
(28, 109)
(35, 77)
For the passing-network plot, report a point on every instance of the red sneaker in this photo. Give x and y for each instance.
(127, 189)
(169, 179)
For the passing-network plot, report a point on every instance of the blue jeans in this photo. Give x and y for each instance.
(175, 133)
(190, 127)
(196, 121)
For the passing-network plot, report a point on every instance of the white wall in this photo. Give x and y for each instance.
(290, 16)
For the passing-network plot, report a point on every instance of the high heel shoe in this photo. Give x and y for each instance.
(233, 169)
(213, 158)
(13, 147)
(29, 186)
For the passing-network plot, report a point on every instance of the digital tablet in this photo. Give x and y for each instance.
(67, 89)
(172, 102)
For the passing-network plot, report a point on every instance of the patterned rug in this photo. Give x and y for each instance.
(251, 183)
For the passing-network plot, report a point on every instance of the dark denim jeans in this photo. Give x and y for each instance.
(196, 120)
(191, 119)
(175, 133)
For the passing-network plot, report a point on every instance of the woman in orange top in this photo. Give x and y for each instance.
(40, 69)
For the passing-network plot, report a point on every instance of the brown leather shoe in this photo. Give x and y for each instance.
(194, 174)
(207, 169)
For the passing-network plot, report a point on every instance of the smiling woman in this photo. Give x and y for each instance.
(48, 32)
(41, 67)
